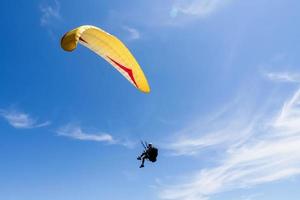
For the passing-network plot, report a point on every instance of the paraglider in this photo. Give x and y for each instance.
(111, 49)
(150, 153)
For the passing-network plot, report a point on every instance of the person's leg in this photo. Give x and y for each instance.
(143, 160)
(140, 157)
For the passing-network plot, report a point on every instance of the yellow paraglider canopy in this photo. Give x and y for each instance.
(111, 49)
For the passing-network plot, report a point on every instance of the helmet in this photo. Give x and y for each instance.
(150, 145)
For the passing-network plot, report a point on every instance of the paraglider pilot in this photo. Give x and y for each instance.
(150, 153)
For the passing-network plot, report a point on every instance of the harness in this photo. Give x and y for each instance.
(152, 154)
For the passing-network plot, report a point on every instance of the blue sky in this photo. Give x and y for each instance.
(223, 109)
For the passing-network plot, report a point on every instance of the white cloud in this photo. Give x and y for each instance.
(288, 120)
(50, 13)
(197, 8)
(268, 152)
(134, 34)
(75, 132)
(251, 196)
(21, 120)
(284, 77)
(150, 15)
(188, 142)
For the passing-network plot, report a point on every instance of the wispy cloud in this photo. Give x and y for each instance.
(185, 144)
(196, 8)
(155, 14)
(50, 13)
(268, 152)
(133, 34)
(284, 77)
(188, 142)
(251, 196)
(288, 121)
(76, 132)
(22, 120)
